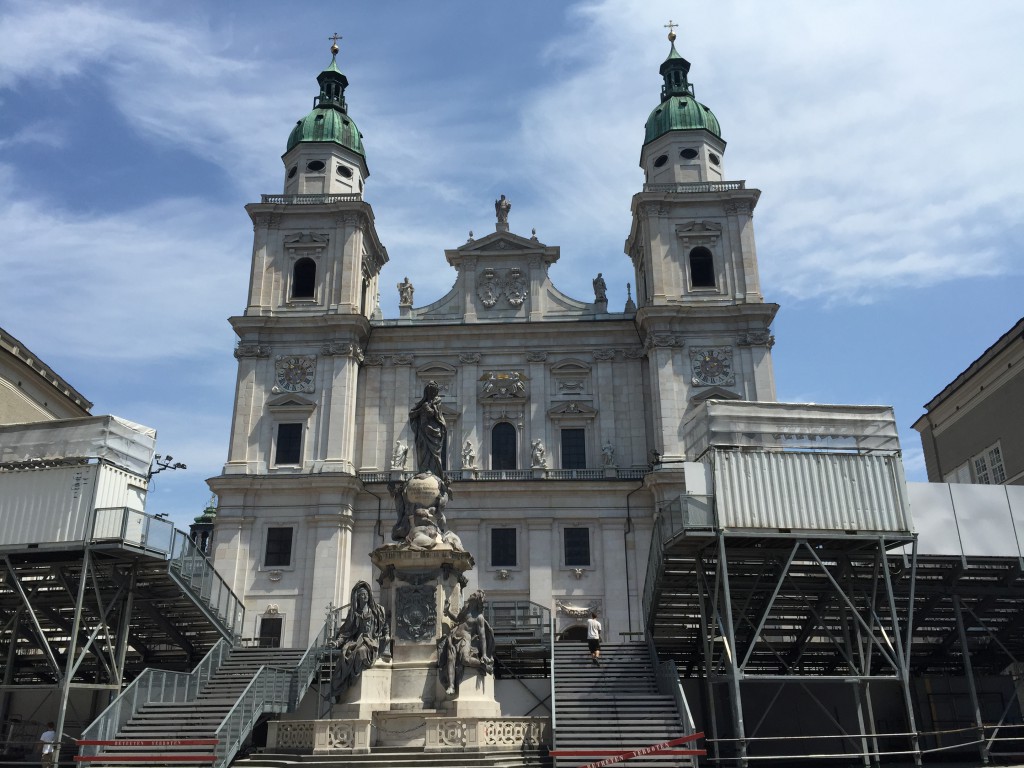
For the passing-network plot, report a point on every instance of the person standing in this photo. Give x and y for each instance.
(594, 638)
(46, 741)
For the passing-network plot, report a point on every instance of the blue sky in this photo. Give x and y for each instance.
(884, 136)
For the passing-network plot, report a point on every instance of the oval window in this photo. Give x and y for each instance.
(344, 171)
(689, 153)
(714, 158)
(315, 165)
(292, 171)
(661, 161)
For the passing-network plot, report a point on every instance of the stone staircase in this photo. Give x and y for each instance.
(192, 721)
(614, 707)
(401, 757)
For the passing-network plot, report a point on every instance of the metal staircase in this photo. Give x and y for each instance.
(616, 707)
(202, 718)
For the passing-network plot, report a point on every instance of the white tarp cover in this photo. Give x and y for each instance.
(789, 426)
(121, 442)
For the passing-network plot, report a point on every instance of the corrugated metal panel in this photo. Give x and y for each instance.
(809, 491)
(56, 504)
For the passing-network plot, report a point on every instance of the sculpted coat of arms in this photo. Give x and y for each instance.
(492, 285)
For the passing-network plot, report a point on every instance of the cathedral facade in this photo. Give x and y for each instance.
(564, 417)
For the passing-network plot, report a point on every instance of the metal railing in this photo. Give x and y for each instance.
(153, 686)
(269, 691)
(195, 574)
(518, 620)
(131, 526)
(686, 512)
(187, 565)
(350, 197)
(694, 187)
(308, 665)
(554, 708)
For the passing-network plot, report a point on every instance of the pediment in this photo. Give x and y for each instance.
(290, 400)
(573, 408)
(306, 241)
(715, 393)
(502, 241)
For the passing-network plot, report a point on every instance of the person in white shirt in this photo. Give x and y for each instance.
(46, 741)
(594, 638)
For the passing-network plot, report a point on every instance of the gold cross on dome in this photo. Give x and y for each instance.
(334, 42)
(671, 27)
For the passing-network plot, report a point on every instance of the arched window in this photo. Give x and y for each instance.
(503, 446)
(702, 268)
(304, 279)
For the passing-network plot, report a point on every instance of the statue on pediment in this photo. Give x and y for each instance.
(501, 209)
(405, 291)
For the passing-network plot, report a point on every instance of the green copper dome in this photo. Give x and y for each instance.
(329, 120)
(678, 110)
(681, 113)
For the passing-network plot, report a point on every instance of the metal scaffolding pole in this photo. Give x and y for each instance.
(735, 673)
(972, 687)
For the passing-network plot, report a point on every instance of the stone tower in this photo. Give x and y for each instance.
(700, 311)
(312, 290)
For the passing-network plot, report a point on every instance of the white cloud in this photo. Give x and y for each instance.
(147, 283)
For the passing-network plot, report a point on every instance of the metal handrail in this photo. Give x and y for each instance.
(305, 670)
(153, 686)
(270, 687)
(554, 716)
(194, 573)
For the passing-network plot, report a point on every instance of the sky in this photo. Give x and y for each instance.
(885, 138)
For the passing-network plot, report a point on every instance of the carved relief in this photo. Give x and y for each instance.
(578, 611)
(487, 288)
(373, 360)
(252, 350)
(415, 614)
(503, 384)
(663, 340)
(401, 359)
(341, 735)
(267, 220)
(469, 358)
(694, 233)
(492, 285)
(342, 349)
(734, 207)
(604, 354)
(536, 357)
(634, 354)
(452, 733)
(515, 287)
(756, 339)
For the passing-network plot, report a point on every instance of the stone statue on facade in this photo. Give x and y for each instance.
(430, 432)
(608, 453)
(400, 455)
(405, 291)
(501, 209)
(600, 290)
(361, 639)
(468, 456)
(538, 456)
(469, 643)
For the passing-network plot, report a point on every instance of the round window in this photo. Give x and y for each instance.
(344, 171)
(661, 161)
(315, 165)
(714, 158)
(292, 171)
(689, 153)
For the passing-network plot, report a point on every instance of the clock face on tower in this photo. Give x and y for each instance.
(711, 366)
(296, 373)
